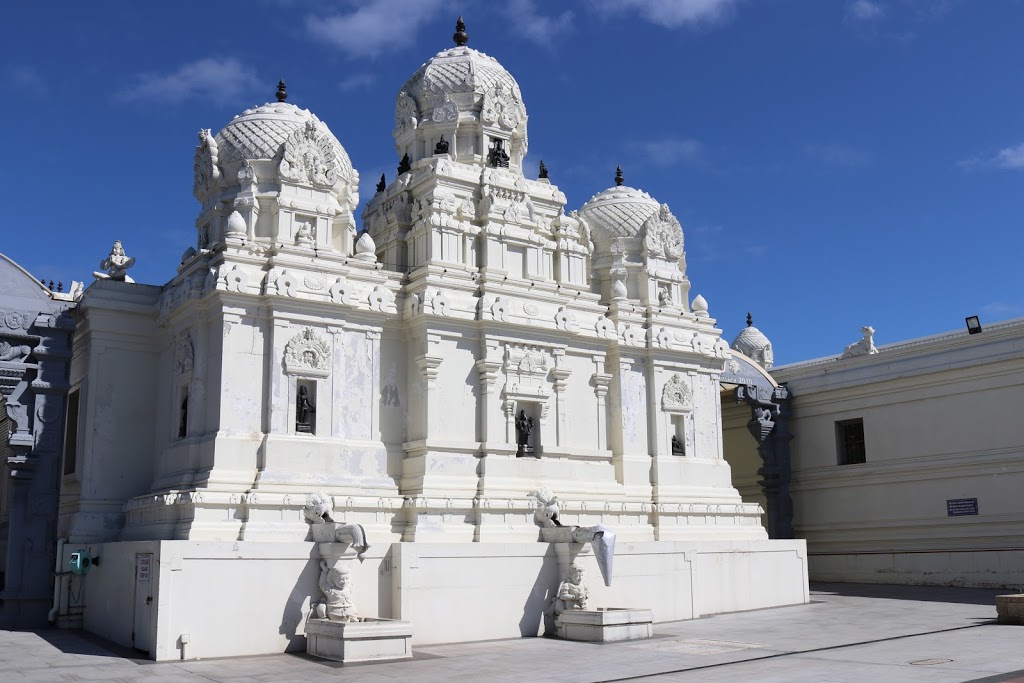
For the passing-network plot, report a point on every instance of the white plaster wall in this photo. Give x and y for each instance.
(940, 423)
(581, 409)
(456, 393)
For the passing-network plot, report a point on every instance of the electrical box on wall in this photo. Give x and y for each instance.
(82, 561)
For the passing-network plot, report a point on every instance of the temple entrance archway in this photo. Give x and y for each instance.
(755, 435)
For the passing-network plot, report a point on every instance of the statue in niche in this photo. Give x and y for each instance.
(17, 353)
(677, 446)
(116, 265)
(336, 585)
(572, 593)
(497, 157)
(183, 418)
(664, 297)
(524, 428)
(441, 147)
(304, 411)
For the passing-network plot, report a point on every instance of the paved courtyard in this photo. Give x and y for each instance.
(848, 633)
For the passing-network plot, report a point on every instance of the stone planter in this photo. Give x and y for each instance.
(361, 641)
(605, 625)
(1010, 609)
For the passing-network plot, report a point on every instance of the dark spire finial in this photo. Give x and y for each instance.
(282, 92)
(750, 320)
(543, 170)
(382, 185)
(60, 285)
(404, 166)
(460, 37)
(618, 176)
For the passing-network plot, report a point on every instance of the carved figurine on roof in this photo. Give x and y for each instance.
(116, 265)
(284, 173)
(638, 247)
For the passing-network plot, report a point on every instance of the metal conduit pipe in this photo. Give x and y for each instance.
(57, 574)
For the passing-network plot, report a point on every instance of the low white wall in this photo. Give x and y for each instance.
(246, 598)
(983, 568)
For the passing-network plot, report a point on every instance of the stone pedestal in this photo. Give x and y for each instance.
(1010, 609)
(605, 625)
(362, 641)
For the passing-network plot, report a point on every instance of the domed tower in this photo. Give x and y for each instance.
(752, 343)
(284, 173)
(638, 248)
(460, 197)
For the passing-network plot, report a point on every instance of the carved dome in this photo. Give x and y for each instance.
(619, 211)
(456, 80)
(260, 133)
(752, 343)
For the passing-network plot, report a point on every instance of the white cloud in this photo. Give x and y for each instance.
(356, 81)
(1000, 310)
(672, 152)
(673, 13)
(1008, 158)
(26, 80)
(838, 155)
(535, 26)
(220, 80)
(372, 27)
(864, 10)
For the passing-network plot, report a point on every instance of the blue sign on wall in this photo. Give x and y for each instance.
(958, 507)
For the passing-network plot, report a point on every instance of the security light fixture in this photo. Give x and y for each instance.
(973, 325)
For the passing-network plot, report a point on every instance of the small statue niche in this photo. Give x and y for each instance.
(524, 430)
(677, 446)
(304, 412)
(497, 157)
(441, 147)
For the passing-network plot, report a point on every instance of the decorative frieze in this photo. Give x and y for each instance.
(307, 354)
(676, 395)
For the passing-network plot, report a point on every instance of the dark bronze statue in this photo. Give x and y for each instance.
(524, 428)
(304, 412)
(677, 446)
(441, 147)
(497, 157)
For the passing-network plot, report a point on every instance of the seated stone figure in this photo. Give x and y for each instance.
(863, 347)
(336, 585)
(572, 593)
(116, 265)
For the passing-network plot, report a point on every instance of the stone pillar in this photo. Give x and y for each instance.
(488, 368)
(769, 426)
(561, 374)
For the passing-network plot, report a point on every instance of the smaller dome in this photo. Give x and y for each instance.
(260, 133)
(752, 343)
(619, 211)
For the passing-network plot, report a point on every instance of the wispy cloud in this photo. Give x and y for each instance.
(673, 13)
(1000, 310)
(672, 152)
(1008, 158)
(26, 80)
(220, 80)
(370, 28)
(532, 24)
(357, 81)
(864, 10)
(838, 155)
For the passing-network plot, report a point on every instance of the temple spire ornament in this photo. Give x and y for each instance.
(750, 320)
(460, 37)
(282, 91)
(618, 176)
(404, 166)
(543, 170)
(382, 184)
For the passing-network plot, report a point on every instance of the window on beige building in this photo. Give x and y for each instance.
(850, 442)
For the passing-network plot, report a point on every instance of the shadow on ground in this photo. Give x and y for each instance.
(964, 596)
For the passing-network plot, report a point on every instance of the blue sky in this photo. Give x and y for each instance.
(834, 163)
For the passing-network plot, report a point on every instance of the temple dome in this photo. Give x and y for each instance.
(259, 133)
(619, 211)
(752, 343)
(459, 79)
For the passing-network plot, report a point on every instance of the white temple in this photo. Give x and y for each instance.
(477, 342)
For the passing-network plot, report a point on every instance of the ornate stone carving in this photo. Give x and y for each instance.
(206, 170)
(236, 280)
(546, 513)
(183, 354)
(500, 309)
(17, 353)
(17, 321)
(314, 282)
(336, 585)
(307, 354)
(565, 320)
(572, 594)
(605, 328)
(406, 114)
(309, 157)
(501, 107)
(676, 395)
(381, 300)
(342, 292)
(116, 265)
(236, 225)
(863, 347)
(663, 236)
(445, 112)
